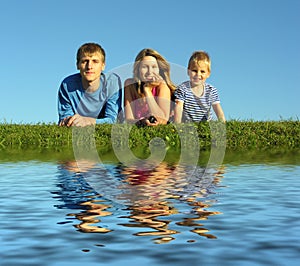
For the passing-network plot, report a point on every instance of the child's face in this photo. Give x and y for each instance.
(198, 73)
(91, 66)
(149, 68)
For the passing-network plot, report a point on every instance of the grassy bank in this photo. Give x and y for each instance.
(240, 135)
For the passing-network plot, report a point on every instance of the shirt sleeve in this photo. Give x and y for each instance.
(179, 94)
(215, 96)
(113, 104)
(64, 104)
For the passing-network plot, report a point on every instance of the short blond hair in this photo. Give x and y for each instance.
(198, 56)
(90, 49)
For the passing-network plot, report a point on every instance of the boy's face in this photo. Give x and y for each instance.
(198, 73)
(91, 66)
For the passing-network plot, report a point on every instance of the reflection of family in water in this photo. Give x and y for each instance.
(149, 198)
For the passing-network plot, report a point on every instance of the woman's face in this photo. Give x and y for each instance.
(148, 69)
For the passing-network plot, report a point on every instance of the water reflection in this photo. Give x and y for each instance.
(154, 202)
(149, 192)
(76, 193)
(91, 216)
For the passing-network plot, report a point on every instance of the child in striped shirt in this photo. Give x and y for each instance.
(194, 98)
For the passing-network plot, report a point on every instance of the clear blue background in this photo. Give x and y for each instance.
(254, 46)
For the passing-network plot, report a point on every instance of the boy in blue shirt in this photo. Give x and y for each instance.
(90, 96)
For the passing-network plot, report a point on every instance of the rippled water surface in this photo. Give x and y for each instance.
(62, 213)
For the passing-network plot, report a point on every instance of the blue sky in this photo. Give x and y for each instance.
(253, 44)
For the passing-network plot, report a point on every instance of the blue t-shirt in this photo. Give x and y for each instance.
(104, 104)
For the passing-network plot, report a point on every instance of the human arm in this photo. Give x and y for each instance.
(67, 115)
(131, 101)
(113, 100)
(219, 112)
(111, 109)
(128, 101)
(64, 105)
(179, 95)
(109, 116)
(78, 121)
(160, 104)
(178, 111)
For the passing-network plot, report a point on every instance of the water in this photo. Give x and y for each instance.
(243, 213)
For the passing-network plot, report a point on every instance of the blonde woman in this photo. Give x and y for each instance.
(147, 96)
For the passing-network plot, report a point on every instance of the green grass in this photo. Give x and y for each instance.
(263, 135)
(240, 135)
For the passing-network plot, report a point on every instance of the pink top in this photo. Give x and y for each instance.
(141, 109)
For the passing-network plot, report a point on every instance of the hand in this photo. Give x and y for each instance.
(64, 121)
(151, 121)
(153, 81)
(78, 120)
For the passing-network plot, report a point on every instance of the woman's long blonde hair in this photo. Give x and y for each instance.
(164, 69)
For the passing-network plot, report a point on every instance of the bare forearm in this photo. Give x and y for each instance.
(156, 109)
(219, 112)
(178, 112)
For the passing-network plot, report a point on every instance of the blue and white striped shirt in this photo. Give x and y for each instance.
(196, 109)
